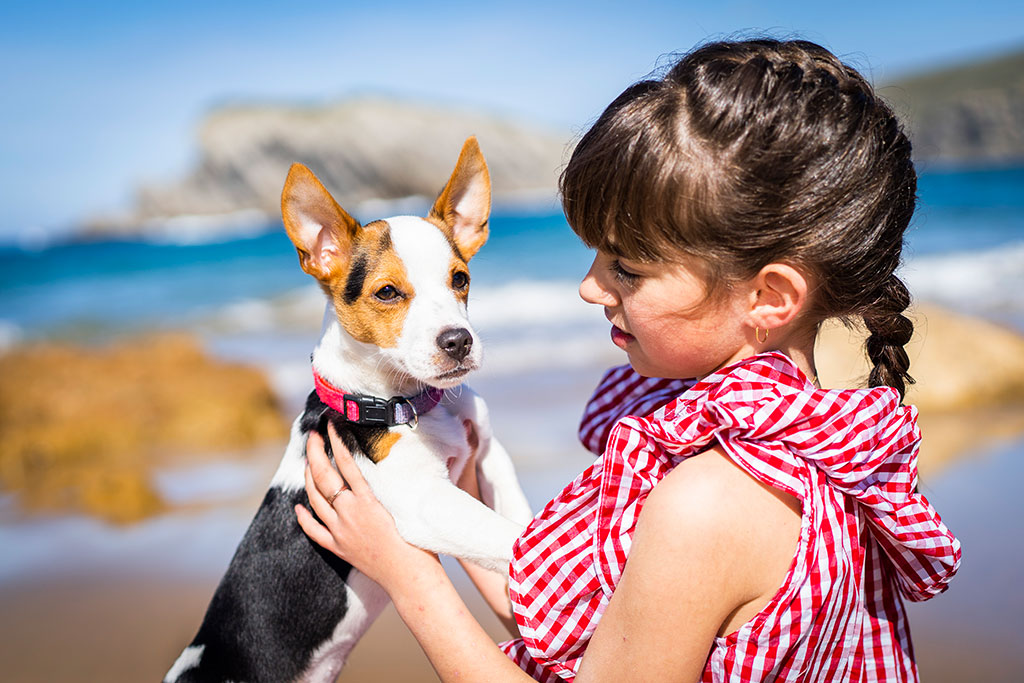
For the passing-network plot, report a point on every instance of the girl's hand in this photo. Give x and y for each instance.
(352, 523)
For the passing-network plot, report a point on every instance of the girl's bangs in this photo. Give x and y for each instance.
(629, 189)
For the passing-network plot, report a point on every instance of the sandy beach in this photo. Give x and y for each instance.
(122, 611)
(117, 624)
(124, 629)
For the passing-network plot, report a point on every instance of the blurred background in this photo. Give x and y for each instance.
(155, 326)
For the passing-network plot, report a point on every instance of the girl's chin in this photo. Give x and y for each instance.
(620, 338)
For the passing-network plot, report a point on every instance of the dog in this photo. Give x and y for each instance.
(388, 372)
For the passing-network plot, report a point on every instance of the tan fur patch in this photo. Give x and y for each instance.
(381, 448)
(363, 315)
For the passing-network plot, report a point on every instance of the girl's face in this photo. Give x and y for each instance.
(660, 317)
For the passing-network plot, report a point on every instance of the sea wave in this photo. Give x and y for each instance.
(531, 302)
(987, 282)
(189, 230)
(296, 310)
(524, 325)
(10, 335)
(505, 309)
(529, 325)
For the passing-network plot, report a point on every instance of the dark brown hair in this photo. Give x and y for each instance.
(748, 153)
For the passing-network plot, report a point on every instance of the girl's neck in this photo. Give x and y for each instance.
(800, 351)
(804, 359)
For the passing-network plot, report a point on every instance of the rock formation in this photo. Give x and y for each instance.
(378, 148)
(970, 114)
(361, 149)
(84, 428)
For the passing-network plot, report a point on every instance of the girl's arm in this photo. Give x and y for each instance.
(705, 554)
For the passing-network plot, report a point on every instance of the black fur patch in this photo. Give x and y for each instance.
(282, 595)
(385, 241)
(356, 278)
(280, 599)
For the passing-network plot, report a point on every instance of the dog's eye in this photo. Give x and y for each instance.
(459, 280)
(386, 293)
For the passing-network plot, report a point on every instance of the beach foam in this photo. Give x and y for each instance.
(986, 282)
(10, 335)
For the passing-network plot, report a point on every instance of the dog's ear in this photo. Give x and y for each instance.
(321, 231)
(464, 204)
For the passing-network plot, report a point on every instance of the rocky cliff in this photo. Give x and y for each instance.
(378, 148)
(362, 149)
(967, 114)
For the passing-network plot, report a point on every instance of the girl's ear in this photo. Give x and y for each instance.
(779, 294)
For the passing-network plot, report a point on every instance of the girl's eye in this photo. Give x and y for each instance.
(623, 275)
(386, 293)
(459, 280)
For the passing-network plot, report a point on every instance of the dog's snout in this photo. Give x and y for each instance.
(456, 342)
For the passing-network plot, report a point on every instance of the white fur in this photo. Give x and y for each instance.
(365, 601)
(426, 255)
(290, 474)
(414, 484)
(188, 659)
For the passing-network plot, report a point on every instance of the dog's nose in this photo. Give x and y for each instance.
(456, 342)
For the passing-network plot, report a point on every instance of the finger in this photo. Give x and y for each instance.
(346, 464)
(314, 529)
(317, 501)
(325, 476)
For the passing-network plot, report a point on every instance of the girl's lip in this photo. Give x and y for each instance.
(620, 338)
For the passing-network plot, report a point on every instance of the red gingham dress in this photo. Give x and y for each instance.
(866, 537)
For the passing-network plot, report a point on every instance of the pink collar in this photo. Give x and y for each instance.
(370, 410)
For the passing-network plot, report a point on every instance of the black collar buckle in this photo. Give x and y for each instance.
(369, 410)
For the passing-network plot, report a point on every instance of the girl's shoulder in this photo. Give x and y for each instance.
(711, 518)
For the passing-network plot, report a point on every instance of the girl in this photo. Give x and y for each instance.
(772, 529)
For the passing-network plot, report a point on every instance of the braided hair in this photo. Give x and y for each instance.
(753, 152)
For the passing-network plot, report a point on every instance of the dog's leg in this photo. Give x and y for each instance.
(433, 514)
(365, 600)
(499, 486)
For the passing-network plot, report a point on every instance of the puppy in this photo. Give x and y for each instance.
(388, 373)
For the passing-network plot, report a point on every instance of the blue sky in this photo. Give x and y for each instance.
(98, 97)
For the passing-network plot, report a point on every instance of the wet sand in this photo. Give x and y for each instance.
(92, 602)
(972, 632)
(132, 629)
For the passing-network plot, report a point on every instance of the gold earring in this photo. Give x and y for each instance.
(757, 335)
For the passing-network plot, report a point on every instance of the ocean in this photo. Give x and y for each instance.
(247, 297)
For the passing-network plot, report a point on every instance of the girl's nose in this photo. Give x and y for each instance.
(593, 291)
